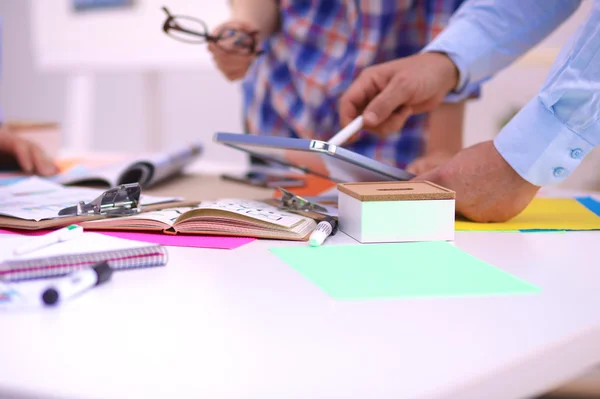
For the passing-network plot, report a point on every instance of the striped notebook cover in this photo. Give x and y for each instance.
(81, 252)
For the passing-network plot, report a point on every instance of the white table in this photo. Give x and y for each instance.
(242, 324)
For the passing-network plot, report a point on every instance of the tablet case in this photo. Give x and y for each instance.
(315, 157)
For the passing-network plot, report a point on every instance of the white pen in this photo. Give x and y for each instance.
(57, 236)
(76, 283)
(350, 130)
(327, 227)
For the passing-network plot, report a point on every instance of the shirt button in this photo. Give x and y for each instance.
(576, 153)
(558, 172)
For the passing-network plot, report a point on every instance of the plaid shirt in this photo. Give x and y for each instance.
(293, 90)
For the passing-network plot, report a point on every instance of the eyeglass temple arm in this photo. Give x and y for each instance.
(180, 29)
(167, 11)
(194, 33)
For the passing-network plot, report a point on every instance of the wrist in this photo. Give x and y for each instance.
(448, 69)
(446, 152)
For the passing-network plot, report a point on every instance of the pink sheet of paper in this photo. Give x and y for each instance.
(213, 242)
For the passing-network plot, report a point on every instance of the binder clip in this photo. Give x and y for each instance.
(116, 202)
(295, 203)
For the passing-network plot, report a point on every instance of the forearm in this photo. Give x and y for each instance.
(550, 136)
(445, 128)
(485, 36)
(263, 14)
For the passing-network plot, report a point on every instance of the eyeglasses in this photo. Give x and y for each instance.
(194, 31)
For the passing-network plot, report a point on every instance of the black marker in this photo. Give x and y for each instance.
(76, 283)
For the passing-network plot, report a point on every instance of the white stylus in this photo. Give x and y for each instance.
(57, 236)
(350, 130)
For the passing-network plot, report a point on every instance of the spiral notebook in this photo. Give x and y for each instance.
(84, 251)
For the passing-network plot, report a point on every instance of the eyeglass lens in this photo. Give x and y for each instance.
(195, 31)
(235, 41)
(187, 29)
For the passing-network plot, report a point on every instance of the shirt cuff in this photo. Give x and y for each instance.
(464, 88)
(471, 90)
(540, 148)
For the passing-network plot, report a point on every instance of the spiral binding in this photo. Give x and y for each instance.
(60, 265)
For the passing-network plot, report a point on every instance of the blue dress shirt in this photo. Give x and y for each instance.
(1, 114)
(550, 136)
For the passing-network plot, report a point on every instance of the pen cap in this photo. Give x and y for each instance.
(69, 232)
(333, 223)
(50, 296)
(103, 271)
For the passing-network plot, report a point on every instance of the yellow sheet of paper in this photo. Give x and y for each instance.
(542, 214)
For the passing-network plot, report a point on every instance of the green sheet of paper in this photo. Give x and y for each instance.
(402, 270)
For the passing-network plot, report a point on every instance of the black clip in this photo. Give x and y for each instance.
(293, 202)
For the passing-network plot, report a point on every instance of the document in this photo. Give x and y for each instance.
(147, 170)
(37, 199)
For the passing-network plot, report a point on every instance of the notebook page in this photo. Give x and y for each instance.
(84, 244)
(108, 174)
(256, 210)
(39, 199)
(165, 216)
(172, 161)
(298, 231)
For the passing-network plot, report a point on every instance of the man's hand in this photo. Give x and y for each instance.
(388, 94)
(428, 162)
(233, 66)
(31, 158)
(487, 188)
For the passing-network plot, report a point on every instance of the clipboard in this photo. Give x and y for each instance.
(8, 222)
(314, 157)
(120, 201)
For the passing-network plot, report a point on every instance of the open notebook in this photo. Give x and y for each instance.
(230, 217)
(83, 251)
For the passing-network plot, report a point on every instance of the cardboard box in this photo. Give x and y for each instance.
(396, 211)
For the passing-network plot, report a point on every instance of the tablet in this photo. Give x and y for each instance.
(315, 157)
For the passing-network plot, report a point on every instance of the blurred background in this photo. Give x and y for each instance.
(114, 82)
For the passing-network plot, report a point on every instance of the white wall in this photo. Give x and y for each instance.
(123, 38)
(24, 92)
(195, 103)
(198, 102)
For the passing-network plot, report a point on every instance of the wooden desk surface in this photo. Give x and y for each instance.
(209, 187)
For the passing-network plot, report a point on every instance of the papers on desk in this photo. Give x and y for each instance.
(147, 170)
(39, 199)
(546, 214)
(168, 240)
(401, 270)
